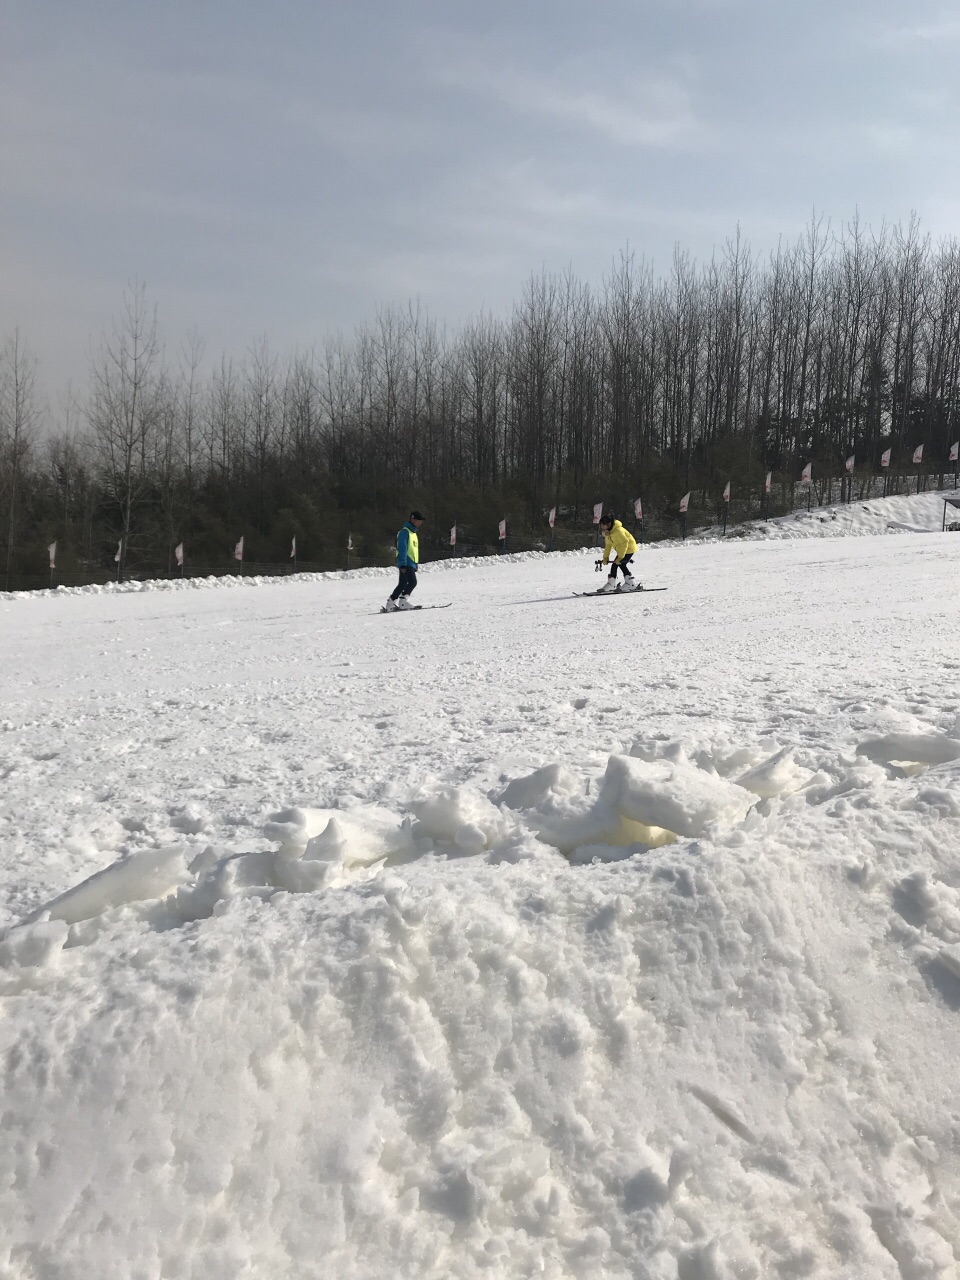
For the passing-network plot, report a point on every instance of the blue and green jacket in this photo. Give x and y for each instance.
(408, 547)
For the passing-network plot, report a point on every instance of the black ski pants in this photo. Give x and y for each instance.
(624, 565)
(407, 583)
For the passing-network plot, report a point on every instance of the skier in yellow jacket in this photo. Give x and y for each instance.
(619, 543)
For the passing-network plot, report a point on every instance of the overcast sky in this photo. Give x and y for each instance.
(284, 167)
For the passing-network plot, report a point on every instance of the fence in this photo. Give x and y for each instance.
(659, 523)
(86, 576)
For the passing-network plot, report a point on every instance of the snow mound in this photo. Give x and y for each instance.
(545, 1068)
(641, 805)
(596, 1044)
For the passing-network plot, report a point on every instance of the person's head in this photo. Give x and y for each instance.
(606, 520)
(416, 518)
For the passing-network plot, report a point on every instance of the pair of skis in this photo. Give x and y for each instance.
(635, 592)
(415, 607)
(639, 591)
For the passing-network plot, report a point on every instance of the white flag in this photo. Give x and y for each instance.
(806, 475)
(726, 492)
(293, 548)
(768, 482)
(638, 509)
(885, 458)
(503, 530)
(53, 555)
(116, 558)
(597, 512)
(918, 453)
(684, 502)
(453, 536)
(178, 552)
(955, 452)
(552, 517)
(349, 541)
(851, 462)
(238, 550)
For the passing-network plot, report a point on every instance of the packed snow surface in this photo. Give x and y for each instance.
(538, 936)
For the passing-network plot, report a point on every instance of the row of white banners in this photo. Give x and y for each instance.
(806, 477)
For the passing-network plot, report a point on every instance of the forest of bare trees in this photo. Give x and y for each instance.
(642, 386)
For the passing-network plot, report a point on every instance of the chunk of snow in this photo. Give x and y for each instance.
(446, 812)
(139, 878)
(777, 776)
(33, 945)
(541, 789)
(672, 794)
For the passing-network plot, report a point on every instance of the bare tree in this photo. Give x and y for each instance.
(191, 357)
(19, 423)
(122, 409)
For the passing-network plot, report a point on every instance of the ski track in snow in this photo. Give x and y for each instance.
(539, 936)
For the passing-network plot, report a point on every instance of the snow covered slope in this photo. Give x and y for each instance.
(540, 936)
(908, 513)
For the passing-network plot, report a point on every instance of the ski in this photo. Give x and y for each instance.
(415, 607)
(640, 591)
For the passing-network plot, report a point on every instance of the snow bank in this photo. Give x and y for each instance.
(640, 806)
(523, 1067)
(907, 513)
(231, 581)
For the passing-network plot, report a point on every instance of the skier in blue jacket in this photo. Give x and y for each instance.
(408, 559)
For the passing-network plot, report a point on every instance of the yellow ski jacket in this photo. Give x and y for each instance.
(619, 542)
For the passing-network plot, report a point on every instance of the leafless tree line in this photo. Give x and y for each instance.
(647, 385)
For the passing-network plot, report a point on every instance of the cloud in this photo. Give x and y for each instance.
(940, 31)
(639, 108)
(891, 139)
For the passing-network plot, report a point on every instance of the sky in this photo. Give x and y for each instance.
(536, 936)
(285, 170)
